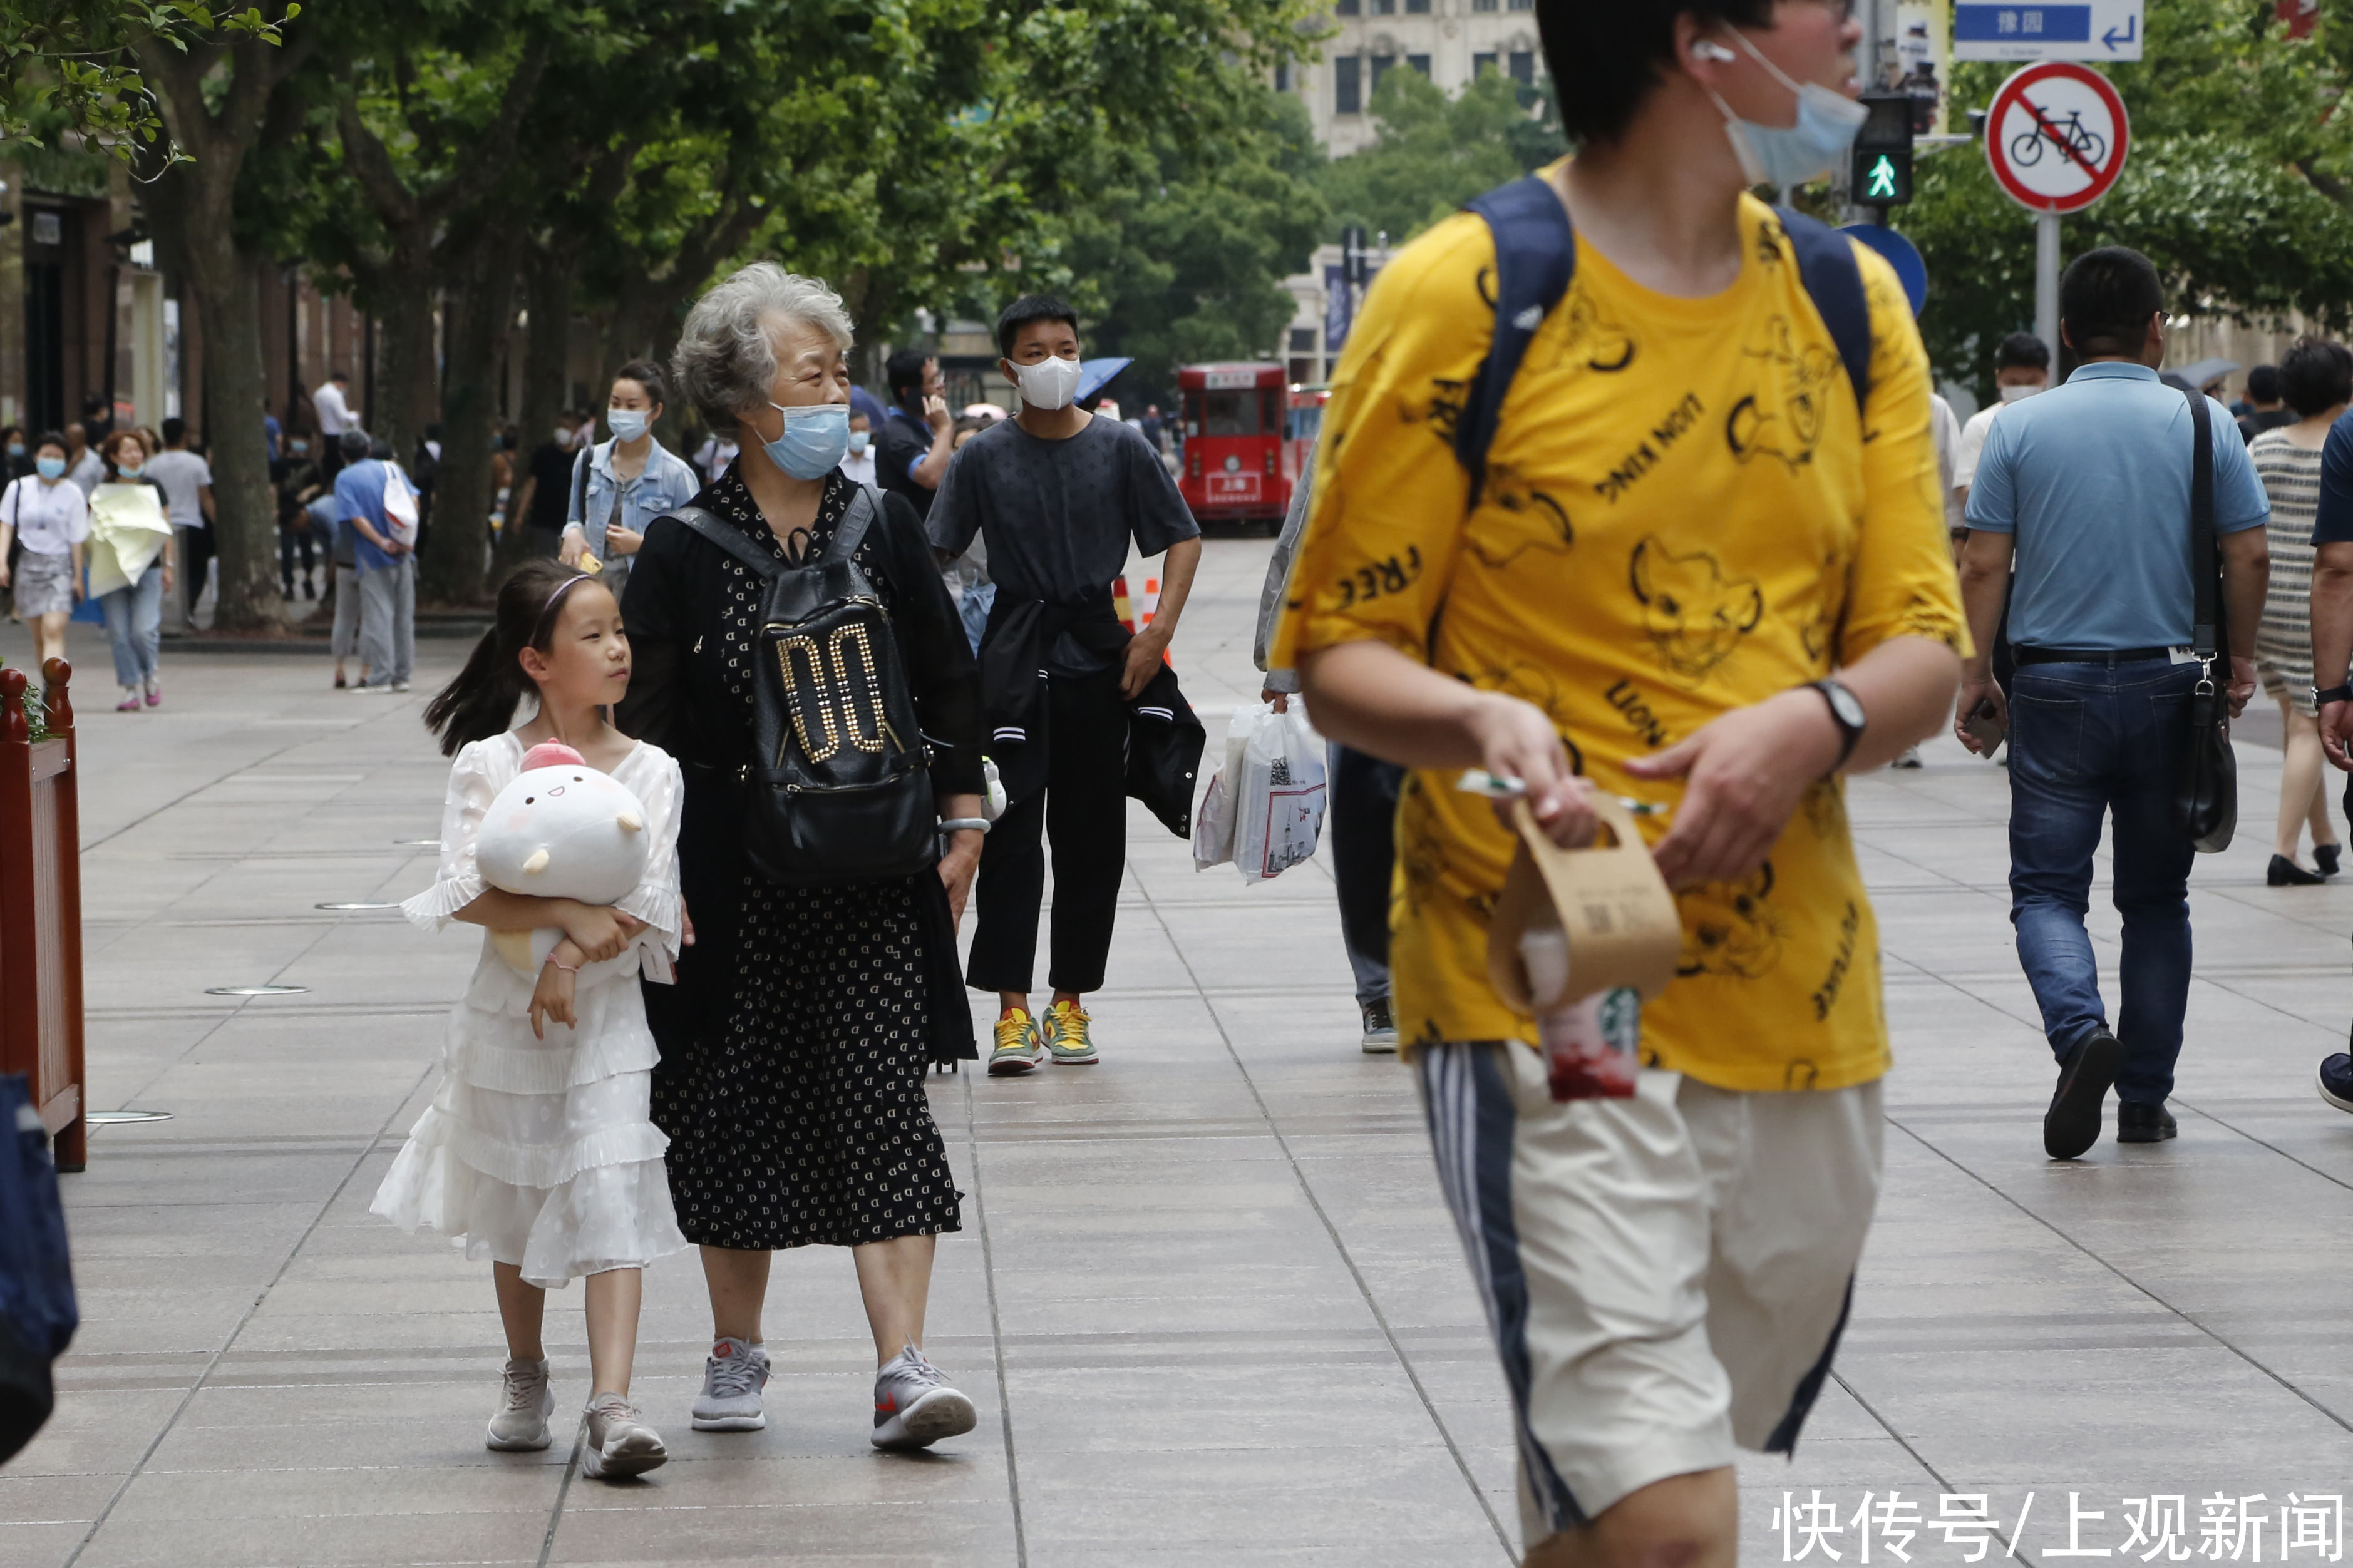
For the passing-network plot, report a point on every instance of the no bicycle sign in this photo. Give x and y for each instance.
(2056, 137)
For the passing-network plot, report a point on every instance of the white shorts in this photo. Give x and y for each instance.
(1665, 1276)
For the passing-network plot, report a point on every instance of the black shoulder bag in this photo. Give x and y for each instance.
(2206, 789)
(839, 789)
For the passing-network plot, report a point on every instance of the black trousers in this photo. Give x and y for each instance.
(1083, 808)
(1363, 818)
(198, 542)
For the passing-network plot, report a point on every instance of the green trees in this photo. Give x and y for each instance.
(1433, 153)
(2240, 186)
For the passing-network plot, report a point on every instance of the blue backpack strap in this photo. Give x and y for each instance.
(1833, 279)
(1535, 258)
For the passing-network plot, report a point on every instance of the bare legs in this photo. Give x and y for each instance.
(614, 1299)
(894, 1278)
(49, 638)
(2301, 800)
(1008, 1001)
(1684, 1521)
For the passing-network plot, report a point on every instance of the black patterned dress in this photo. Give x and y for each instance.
(796, 1043)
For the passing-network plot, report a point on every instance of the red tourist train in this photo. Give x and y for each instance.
(1239, 463)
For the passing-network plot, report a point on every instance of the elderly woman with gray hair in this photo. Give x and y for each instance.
(795, 1042)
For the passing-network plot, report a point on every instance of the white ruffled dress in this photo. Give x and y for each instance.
(542, 1154)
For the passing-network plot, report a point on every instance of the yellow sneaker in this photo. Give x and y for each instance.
(1018, 1050)
(1067, 1040)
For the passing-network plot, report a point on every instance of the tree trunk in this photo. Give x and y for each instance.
(406, 353)
(481, 304)
(547, 275)
(190, 208)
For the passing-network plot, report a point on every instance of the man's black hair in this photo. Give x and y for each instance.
(354, 444)
(2021, 351)
(2315, 375)
(2264, 384)
(339, 375)
(1606, 59)
(1028, 308)
(2105, 299)
(904, 373)
(176, 430)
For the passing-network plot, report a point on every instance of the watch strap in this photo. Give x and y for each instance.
(2334, 694)
(1850, 735)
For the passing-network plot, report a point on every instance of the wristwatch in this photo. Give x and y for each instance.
(2334, 694)
(1846, 713)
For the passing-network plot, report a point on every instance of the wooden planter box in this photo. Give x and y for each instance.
(40, 910)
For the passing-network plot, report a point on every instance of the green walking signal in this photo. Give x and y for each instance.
(1881, 175)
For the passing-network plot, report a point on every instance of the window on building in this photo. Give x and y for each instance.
(1419, 63)
(1481, 64)
(1302, 339)
(1521, 6)
(1384, 8)
(1381, 66)
(1282, 77)
(1349, 7)
(1347, 86)
(1524, 67)
(1416, 7)
(1483, 5)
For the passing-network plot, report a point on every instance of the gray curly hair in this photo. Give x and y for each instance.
(726, 359)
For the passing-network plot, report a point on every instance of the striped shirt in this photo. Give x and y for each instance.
(2291, 477)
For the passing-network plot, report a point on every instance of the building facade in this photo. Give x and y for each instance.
(1447, 41)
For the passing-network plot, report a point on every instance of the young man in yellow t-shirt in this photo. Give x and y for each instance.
(1697, 573)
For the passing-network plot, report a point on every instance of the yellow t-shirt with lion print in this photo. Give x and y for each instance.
(1685, 513)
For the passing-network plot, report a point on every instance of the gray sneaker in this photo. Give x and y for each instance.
(619, 1442)
(913, 1405)
(733, 1373)
(524, 1405)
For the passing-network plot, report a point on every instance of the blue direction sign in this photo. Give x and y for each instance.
(2025, 30)
(1902, 254)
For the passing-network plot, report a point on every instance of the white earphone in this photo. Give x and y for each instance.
(1709, 50)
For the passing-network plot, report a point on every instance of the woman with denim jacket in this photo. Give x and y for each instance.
(624, 483)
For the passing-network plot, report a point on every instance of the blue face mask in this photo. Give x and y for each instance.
(50, 468)
(813, 441)
(133, 470)
(858, 440)
(1788, 155)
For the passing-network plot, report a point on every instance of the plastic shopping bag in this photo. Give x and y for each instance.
(1213, 825)
(1279, 801)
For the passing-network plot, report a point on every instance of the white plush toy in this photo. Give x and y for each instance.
(561, 830)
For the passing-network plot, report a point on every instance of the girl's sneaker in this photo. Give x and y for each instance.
(525, 1404)
(1018, 1050)
(1069, 1041)
(130, 703)
(914, 1406)
(733, 1373)
(155, 692)
(619, 1442)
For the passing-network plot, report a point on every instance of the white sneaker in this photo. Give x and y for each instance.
(400, 686)
(914, 1407)
(525, 1404)
(733, 1373)
(619, 1442)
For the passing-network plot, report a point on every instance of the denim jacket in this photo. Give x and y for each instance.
(667, 484)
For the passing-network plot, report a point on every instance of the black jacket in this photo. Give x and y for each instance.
(1164, 738)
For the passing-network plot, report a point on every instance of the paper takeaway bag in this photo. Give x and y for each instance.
(1622, 925)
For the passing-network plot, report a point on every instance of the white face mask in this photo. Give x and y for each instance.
(1049, 383)
(2019, 394)
(626, 423)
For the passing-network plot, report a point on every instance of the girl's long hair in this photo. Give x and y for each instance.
(480, 702)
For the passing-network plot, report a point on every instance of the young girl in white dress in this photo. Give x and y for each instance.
(539, 1152)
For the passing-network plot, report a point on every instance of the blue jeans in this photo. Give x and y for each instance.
(135, 622)
(2085, 741)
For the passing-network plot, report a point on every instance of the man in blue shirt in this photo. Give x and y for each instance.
(387, 569)
(912, 448)
(2088, 487)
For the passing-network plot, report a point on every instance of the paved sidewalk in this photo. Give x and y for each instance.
(1206, 1299)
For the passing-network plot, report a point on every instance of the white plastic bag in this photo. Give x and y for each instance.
(1213, 825)
(1279, 801)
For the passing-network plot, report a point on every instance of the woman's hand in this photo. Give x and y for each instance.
(957, 868)
(1517, 741)
(1746, 772)
(551, 998)
(619, 541)
(169, 577)
(600, 934)
(686, 921)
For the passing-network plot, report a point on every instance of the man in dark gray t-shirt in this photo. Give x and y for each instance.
(1058, 494)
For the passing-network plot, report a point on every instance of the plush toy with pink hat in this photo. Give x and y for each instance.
(561, 830)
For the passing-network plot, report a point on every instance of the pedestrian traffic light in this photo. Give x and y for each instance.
(1882, 174)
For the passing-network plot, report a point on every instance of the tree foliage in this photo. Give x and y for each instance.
(1434, 152)
(2238, 187)
(67, 66)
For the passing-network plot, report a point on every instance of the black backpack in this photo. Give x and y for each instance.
(840, 787)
